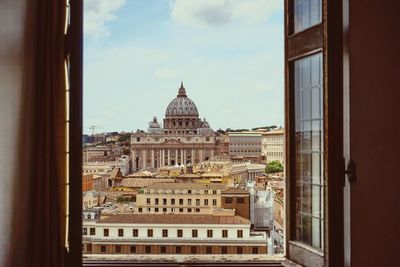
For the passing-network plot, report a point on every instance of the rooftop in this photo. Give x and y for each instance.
(244, 133)
(235, 191)
(141, 182)
(173, 219)
(276, 131)
(185, 186)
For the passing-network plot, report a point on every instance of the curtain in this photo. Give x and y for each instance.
(33, 118)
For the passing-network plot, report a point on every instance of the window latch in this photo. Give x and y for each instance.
(350, 171)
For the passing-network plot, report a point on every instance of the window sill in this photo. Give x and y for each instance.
(178, 260)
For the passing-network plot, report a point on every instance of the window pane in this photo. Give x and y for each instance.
(309, 150)
(307, 13)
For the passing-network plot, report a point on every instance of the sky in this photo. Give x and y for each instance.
(228, 53)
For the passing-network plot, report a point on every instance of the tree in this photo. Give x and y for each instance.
(124, 138)
(274, 167)
(220, 131)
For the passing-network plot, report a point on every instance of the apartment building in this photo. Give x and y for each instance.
(237, 199)
(182, 198)
(273, 145)
(245, 146)
(171, 234)
(192, 198)
(106, 166)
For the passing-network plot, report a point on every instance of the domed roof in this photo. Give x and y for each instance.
(154, 126)
(205, 124)
(154, 123)
(181, 105)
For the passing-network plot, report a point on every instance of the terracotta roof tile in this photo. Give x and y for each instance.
(185, 186)
(235, 191)
(142, 182)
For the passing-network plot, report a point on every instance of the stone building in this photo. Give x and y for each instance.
(273, 145)
(245, 146)
(192, 198)
(184, 138)
(171, 234)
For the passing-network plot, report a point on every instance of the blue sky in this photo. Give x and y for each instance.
(228, 53)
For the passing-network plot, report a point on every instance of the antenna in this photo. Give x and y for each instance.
(93, 128)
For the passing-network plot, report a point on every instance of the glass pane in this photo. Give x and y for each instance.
(309, 150)
(307, 13)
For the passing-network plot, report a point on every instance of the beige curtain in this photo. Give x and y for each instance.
(32, 121)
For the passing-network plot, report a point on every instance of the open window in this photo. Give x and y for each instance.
(313, 170)
(313, 122)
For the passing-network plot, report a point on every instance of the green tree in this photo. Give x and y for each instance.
(124, 138)
(274, 167)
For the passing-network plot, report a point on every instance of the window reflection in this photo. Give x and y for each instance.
(309, 149)
(307, 13)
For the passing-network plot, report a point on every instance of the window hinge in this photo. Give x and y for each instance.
(350, 171)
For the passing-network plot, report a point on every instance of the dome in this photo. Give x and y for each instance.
(154, 126)
(181, 105)
(205, 124)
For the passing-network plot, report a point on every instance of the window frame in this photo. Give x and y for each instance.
(179, 233)
(225, 233)
(74, 52)
(135, 232)
(209, 233)
(106, 232)
(150, 233)
(164, 232)
(120, 232)
(328, 39)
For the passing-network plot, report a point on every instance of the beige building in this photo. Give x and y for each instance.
(171, 234)
(193, 198)
(182, 198)
(245, 146)
(184, 138)
(273, 145)
(107, 165)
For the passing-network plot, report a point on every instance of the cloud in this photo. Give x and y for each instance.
(220, 12)
(165, 73)
(261, 87)
(96, 15)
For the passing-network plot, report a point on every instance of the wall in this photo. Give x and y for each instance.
(242, 210)
(374, 46)
(172, 231)
(171, 249)
(12, 83)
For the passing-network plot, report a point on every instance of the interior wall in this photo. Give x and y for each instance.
(374, 46)
(12, 61)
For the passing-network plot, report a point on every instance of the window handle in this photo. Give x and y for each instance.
(351, 172)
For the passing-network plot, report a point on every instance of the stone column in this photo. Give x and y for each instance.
(152, 159)
(182, 158)
(161, 158)
(176, 156)
(212, 154)
(200, 155)
(169, 157)
(192, 159)
(144, 159)
(133, 158)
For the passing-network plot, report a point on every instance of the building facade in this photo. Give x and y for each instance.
(273, 145)
(183, 198)
(238, 200)
(245, 146)
(172, 234)
(106, 166)
(184, 138)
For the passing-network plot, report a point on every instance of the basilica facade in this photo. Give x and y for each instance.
(183, 139)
